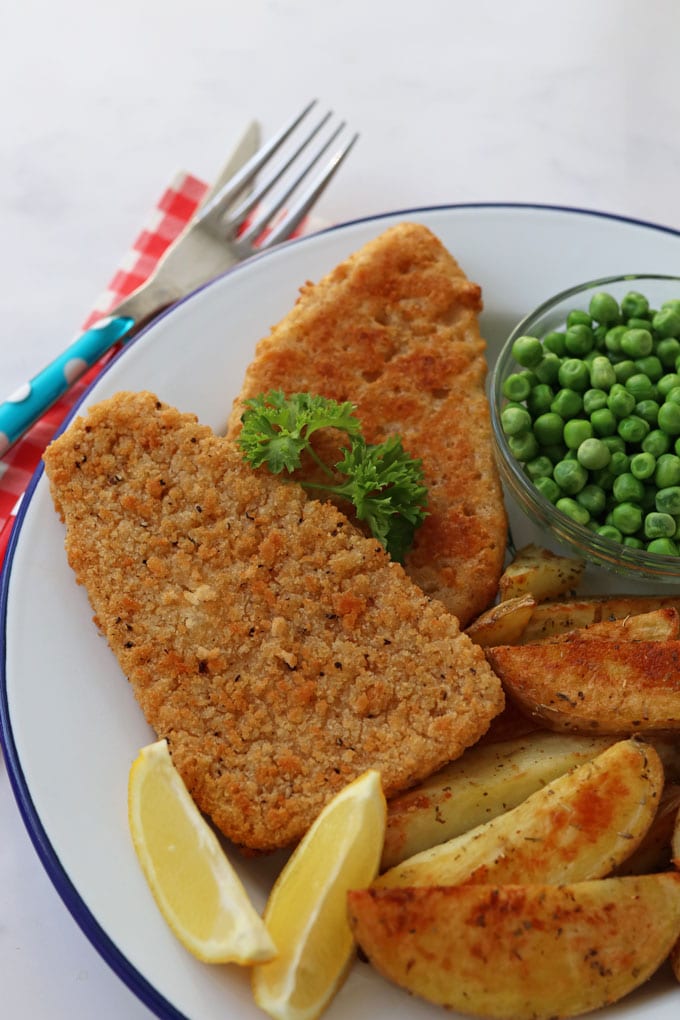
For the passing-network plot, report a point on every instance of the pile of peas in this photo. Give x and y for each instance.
(593, 415)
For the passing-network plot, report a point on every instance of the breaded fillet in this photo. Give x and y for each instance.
(279, 651)
(394, 329)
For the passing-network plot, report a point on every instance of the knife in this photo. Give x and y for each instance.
(177, 274)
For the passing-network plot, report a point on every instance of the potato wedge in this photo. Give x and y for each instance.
(552, 617)
(657, 625)
(503, 623)
(486, 781)
(594, 686)
(580, 826)
(527, 952)
(541, 573)
(655, 851)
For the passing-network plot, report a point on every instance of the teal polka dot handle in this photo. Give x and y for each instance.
(30, 402)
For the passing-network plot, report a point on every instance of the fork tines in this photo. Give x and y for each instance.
(238, 207)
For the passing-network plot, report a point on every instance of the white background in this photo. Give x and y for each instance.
(573, 104)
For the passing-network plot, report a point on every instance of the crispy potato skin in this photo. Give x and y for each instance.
(578, 827)
(529, 952)
(485, 781)
(554, 616)
(594, 686)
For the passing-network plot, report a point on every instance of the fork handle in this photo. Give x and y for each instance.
(30, 402)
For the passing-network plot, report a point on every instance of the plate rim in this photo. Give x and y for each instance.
(109, 951)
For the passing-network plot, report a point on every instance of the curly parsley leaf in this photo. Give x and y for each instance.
(382, 481)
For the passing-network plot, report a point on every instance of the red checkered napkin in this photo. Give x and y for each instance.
(172, 213)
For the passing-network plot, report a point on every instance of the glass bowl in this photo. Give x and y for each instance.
(559, 529)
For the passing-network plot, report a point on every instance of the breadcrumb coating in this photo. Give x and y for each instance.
(395, 329)
(279, 651)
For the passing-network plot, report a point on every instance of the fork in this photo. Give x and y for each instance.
(233, 224)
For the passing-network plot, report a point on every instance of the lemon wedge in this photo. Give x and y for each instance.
(306, 913)
(193, 882)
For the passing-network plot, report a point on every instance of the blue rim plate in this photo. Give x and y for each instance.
(69, 725)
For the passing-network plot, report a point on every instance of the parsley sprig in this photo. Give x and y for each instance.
(381, 480)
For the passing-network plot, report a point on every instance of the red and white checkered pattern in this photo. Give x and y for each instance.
(174, 210)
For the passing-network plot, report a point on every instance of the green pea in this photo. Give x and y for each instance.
(527, 351)
(539, 400)
(619, 463)
(640, 386)
(624, 369)
(604, 307)
(627, 517)
(667, 350)
(602, 374)
(650, 366)
(658, 525)
(610, 532)
(632, 542)
(612, 339)
(594, 400)
(573, 510)
(549, 428)
(668, 500)
(633, 429)
(539, 467)
(593, 498)
(592, 453)
(549, 488)
(570, 476)
(576, 431)
(667, 470)
(663, 547)
(579, 339)
(620, 402)
(637, 343)
(516, 387)
(603, 478)
(634, 304)
(577, 317)
(567, 403)
(648, 410)
(548, 369)
(554, 342)
(574, 375)
(614, 444)
(628, 489)
(669, 417)
(656, 442)
(523, 446)
(673, 395)
(648, 501)
(515, 420)
(667, 383)
(666, 322)
(603, 421)
(639, 322)
(643, 465)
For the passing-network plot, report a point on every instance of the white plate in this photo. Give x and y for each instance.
(70, 725)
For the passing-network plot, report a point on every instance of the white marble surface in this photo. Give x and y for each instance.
(574, 104)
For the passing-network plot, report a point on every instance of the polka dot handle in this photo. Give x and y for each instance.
(30, 402)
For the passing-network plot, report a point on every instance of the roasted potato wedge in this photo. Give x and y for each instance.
(594, 686)
(540, 573)
(486, 781)
(524, 951)
(655, 851)
(657, 625)
(503, 623)
(580, 826)
(549, 618)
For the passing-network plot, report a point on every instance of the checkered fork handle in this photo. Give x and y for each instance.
(173, 211)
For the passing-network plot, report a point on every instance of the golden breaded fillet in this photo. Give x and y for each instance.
(279, 650)
(394, 329)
